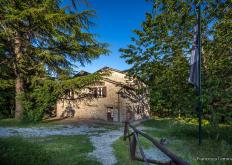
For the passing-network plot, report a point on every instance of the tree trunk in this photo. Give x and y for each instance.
(18, 81)
(18, 100)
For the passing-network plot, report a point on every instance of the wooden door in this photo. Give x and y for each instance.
(110, 114)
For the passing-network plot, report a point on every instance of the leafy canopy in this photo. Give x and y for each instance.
(160, 50)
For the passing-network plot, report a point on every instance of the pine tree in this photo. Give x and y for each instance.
(41, 38)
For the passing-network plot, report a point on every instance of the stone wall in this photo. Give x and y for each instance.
(97, 108)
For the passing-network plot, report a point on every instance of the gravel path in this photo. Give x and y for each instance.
(155, 154)
(48, 131)
(103, 146)
(101, 138)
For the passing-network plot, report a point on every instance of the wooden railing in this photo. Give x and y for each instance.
(134, 140)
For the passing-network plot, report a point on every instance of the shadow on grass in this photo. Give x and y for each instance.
(52, 150)
(181, 130)
(10, 122)
(15, 150)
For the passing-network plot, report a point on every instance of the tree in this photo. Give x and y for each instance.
(160, 51)
(217, 60)
(41, 38)
(7, 84)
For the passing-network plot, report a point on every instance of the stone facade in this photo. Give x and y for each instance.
(114, 100)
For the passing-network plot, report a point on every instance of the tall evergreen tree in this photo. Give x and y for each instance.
(41, 38)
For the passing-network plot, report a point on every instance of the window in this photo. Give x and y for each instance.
(139, 109)
(69, 94)
(100, 92)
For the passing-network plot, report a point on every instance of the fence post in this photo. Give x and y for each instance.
(126, 129)
(133, 147)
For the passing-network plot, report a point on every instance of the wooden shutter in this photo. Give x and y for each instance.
(72, 94)
(104, 91)
(94, 92)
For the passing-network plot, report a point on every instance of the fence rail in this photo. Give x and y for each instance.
(134, 140)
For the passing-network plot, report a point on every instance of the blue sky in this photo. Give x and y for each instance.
(114, 24)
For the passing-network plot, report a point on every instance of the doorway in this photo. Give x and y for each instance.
(110, 114)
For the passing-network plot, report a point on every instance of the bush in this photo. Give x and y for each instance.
(38, 99)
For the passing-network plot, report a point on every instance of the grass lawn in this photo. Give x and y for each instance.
(17, 123)
(182, 140)
(121, 150)
(52, 150)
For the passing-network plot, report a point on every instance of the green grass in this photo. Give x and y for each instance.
(184, 142)
(52, 150)
(182, 138)
(121, 150)
(10, 122)
(182, 130)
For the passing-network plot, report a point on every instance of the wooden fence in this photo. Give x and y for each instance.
(134, 140)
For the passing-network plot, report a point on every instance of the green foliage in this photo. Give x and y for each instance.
(7, 86)
(193, 121)
(7, 95)
(183, 128)
(51, 38)
(41, 41)
(160, 51)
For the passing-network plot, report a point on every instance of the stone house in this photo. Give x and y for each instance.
(115, 98)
